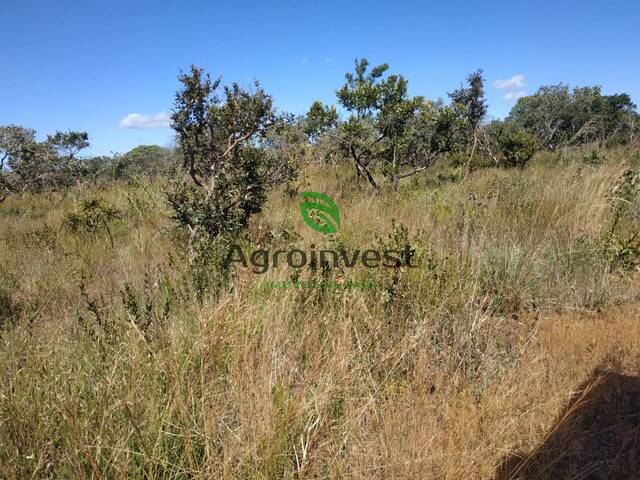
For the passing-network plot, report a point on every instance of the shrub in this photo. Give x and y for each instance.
(93, 215)
(225, 163)
(143, 161)
(515, 146)
(622, 240)
(36, 166)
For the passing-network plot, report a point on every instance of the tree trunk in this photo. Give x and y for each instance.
(363, 170)
(485, 145)
(473, 151)
(370, 178)
(398, 176)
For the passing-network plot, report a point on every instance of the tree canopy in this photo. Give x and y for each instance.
(557, 115)
(29, 165)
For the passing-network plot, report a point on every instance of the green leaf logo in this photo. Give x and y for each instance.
(323, 212)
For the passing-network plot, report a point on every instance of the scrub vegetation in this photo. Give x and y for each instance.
(131, 348)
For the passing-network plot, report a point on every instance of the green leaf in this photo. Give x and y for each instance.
(325, 212)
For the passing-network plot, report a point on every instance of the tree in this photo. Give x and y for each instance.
(362, 96)
(471, 106)
(29, 165)
(98, 167)
(319, 126)
(557, 116)
(143, 160)
(66, 146)
(514, 145)
(431, 134)
(285, 146)
(319, 120)
(380, 109)
(219, 133)
(15, 142)
(222, 133)
(387, 128)
(544, 114)
(362, 92)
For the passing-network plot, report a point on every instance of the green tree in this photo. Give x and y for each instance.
(220, 132)
(98, 167)
(66, 146)
(285, 147)
(471, 106)
(514, 145)
(218, 141)
(29, 165)
(319, 120)
(143, 160)
(544, 114)
(15, 143)
(557, 116)
(388, 129)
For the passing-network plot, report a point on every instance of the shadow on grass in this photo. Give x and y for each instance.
(597, 436)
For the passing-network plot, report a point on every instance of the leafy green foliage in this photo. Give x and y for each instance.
(100, 167)
(470, 103)
(515, 146)
(558, 116)
(29, 165)
(319, 120)
(387, 128)
(285, 147)
(221, 137)
(92, 214)
(68, 144)
(216, 139)
(622, 240)
(143, 161)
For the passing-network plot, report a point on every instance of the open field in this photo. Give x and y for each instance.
(111, 368)
(312, 240)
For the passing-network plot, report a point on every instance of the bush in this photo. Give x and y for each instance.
(93, 215)
(143, 161)
(225, 163)
(622, 239)
(515, 146)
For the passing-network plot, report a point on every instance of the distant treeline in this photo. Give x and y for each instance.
(27, 165)
(385, 133)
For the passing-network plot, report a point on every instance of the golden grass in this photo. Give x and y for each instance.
(465, 362)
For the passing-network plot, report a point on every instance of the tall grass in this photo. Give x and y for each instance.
(112, 369)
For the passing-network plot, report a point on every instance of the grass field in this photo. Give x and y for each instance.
(111, 368)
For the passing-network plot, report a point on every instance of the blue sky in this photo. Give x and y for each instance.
(89, 65)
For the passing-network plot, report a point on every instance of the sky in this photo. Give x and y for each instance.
(110, 67)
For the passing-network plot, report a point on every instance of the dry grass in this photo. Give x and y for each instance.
(464, 361)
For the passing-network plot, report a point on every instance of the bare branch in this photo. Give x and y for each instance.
(429, 161)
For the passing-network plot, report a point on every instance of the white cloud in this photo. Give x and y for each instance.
(514, 95)
(514, 83)
(514, 87)
(143, 120)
